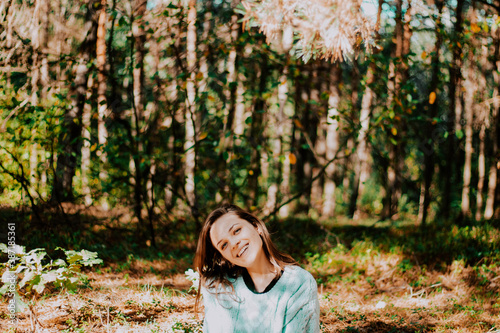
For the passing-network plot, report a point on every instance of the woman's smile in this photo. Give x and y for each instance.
(242, 251)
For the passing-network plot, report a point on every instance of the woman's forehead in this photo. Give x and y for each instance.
(222, 226)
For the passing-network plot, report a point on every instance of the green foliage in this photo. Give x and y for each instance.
(38, 273)
(187, 327)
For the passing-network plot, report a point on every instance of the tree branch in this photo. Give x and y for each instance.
(484, 2)
(320, 173)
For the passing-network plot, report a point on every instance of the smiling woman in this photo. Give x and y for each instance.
(248, 285)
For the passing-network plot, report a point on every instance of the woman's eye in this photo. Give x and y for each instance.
(237, 231)
(223, 246)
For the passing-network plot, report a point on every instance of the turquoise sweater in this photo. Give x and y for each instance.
(290, 306)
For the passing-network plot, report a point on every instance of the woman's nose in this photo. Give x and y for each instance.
(235, 244)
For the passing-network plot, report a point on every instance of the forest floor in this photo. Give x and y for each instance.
(387, 277)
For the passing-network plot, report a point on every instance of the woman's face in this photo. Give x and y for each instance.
(237, 240)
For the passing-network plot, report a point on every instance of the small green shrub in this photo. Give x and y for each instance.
(37, 273)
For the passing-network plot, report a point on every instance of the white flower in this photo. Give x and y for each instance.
(380, 305)
(194, 277)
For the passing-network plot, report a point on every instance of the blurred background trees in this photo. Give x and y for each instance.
(173, 107)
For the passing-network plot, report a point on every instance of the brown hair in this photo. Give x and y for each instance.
(214, 270)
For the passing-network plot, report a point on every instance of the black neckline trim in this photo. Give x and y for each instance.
(250, 285)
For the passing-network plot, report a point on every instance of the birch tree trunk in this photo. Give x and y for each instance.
(102, 107)
(190, 122)
(35, 83)
(320, 147)
(86, 138)
(361, 167)
(232, 73)
(481, 173)
(332, 141)
(350, 161)
(273, 183)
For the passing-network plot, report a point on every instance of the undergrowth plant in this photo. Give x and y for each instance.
(28, 274)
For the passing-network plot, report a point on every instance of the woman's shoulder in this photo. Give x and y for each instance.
(297, 275)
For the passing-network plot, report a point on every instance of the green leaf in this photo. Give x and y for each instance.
(73, 257)
(6, 276)
(20, 305)
(60, 262)
(4, 289)
(39, 287)
(49, 277)
(28, 277)
(459, 134)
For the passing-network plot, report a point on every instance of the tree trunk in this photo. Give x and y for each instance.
(302, 128)
(138, 13)
(44, 40)
(309, 135)
(190, 122)
(102, 107)
(428, 147)
(86, 144)
(362, 152)
(492, 174)
(332, 140)
(35, 83)
(256, 135)
(320, 147)
(481, 174)
(455, 66)
(350, 160)
(483, 123)
(277, 147)
(469, 94)
(9, 13)
(391, 91)
(286, 146)
(402, 36)
(71, 136)
(361, 169)
(230, 89)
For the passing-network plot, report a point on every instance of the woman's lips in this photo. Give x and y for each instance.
(242, 251)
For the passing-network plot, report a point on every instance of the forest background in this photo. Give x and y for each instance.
(124, 123)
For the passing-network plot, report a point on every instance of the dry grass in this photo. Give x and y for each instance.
(134, 301)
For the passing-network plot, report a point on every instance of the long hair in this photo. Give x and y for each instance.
(214, 270)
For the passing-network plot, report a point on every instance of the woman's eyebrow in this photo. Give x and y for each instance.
(229, 231)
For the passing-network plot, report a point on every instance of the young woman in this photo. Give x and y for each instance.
(247, 284)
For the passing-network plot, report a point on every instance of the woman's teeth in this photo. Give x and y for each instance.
(242, 251)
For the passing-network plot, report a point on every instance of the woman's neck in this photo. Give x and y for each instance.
(262, 274)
